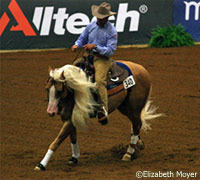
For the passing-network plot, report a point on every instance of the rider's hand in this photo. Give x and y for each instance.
(89, 46)
(74, 48)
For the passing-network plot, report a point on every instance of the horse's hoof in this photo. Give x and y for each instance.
(129, 157)
(135, 155)
(126, 157)
(72, 161)
(39, 167)
(140, 144)
(104, 122)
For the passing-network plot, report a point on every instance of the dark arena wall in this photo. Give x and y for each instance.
(57, 24)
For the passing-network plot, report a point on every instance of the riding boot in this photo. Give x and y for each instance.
(102, 115)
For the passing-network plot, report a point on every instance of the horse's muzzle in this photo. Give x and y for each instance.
(51, 114)
(52, 109)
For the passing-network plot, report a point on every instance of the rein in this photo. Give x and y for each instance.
(81, 49)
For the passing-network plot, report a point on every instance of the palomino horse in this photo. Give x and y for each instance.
(69, 95)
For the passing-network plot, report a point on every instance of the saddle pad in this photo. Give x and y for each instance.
(127, 83)
(124, 66)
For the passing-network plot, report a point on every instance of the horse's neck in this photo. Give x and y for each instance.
(69, 99)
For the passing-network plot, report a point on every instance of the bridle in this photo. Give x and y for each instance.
(81, 49)
(61, 88)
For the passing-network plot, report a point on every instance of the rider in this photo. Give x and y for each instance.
(100, 38)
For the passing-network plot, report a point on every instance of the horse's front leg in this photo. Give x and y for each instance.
(75, 148)
(66, 129)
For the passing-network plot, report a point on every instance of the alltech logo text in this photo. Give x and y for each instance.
(48, 19)
(188, 7)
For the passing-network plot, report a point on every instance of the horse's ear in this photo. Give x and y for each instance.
(62, 77)
(50, 69)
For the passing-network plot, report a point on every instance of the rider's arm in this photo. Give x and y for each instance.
(110, 47)
(83, 38)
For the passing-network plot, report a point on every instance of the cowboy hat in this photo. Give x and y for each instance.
(102, 11)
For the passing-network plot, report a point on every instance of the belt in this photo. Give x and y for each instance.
(97, 55)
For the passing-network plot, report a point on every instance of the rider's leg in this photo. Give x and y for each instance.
(102, 66)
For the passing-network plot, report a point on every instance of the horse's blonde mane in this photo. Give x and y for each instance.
(76, 79)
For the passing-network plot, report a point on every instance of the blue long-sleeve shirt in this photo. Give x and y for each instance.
(104, 37)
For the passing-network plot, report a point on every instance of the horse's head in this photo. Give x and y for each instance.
(56, 91)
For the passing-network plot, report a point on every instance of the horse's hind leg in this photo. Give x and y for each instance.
(135, 143)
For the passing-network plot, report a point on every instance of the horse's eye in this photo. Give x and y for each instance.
(59, 86)
(49, 83)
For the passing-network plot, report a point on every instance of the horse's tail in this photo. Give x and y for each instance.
(149, 113)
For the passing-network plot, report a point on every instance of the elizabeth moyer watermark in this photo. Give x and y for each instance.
(167, 174)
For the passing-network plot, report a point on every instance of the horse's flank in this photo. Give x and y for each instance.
(143, 83)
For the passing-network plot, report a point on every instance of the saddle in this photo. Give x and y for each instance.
(117, 74)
